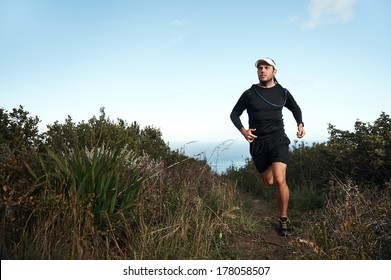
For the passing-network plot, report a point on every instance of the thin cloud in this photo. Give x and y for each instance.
(293, 19)
(324, 12)
(177, 32)
(176, 23)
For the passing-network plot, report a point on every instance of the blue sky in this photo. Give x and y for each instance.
(180, 66)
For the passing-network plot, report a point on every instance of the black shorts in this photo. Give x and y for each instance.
(273, 149)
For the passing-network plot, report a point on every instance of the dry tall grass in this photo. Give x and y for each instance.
(180, 211)
(354, 224)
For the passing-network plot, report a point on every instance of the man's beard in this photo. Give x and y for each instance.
(266, 83)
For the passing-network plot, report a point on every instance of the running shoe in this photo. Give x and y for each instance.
(285, 229)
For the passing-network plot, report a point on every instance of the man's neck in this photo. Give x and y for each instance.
(267, 84)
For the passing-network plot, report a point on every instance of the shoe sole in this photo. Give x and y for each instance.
(285, 232)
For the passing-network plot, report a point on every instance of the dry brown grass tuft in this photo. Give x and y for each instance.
(354, 224)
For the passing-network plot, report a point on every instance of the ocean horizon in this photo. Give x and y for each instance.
(219, 155)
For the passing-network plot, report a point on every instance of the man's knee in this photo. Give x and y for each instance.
(281, 181)
(279, 173)
(268, 180)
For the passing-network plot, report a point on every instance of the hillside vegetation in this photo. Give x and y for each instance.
(105, 189)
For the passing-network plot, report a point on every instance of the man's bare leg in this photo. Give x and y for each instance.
(277, 173)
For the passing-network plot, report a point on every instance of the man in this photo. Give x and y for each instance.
(269, 145)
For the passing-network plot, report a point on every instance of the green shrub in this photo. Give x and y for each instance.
(365, 154)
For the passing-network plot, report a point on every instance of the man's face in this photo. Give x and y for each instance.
(265, 72)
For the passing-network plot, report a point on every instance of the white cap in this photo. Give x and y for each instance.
(267, 60)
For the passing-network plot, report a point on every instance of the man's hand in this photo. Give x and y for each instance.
(248, 134)
(300, 131)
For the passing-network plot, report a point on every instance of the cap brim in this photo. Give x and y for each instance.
(268, 61)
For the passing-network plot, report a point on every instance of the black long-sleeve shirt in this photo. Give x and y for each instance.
(265, 111)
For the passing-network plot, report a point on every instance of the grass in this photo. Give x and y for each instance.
(354, 224)
(110, 204)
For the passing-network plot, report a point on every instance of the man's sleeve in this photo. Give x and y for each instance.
(294, 108)
(238, 109)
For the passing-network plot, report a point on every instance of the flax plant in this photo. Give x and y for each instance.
(107, 179)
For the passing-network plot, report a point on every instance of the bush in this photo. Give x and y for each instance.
(97, 132)
(364, 155)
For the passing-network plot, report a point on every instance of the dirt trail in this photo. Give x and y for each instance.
(264, 243)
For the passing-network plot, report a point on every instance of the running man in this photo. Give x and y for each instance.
(269, 145)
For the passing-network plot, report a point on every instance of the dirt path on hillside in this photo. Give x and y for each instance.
(263, 242)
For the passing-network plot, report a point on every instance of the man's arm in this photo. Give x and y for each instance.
(238, 110)
(296, 111)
